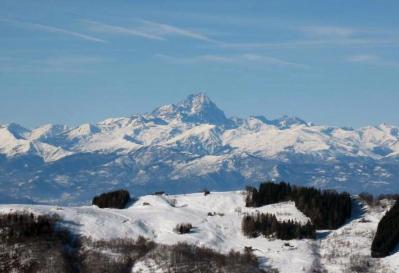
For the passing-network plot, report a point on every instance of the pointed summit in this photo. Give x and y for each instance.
(196, 100)
(196, 108)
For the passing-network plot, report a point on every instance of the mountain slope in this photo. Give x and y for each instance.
(188, 146)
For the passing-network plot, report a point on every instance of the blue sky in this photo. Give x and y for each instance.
(329, 62)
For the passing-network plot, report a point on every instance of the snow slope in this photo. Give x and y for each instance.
(155, 216)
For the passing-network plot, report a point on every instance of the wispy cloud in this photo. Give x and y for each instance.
(231, 59)
(316, 43)
(147, 29)
(325, 36)
(52, 29)
(364, 58)
(328, 31)
(71, 61)
(372, 59)
(63, 64)
(168, 30)
(311, 36)
(119, 30)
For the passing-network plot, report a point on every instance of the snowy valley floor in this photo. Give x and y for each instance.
(155, 216)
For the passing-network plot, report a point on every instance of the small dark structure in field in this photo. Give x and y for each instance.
(183, 228)
(115, 199)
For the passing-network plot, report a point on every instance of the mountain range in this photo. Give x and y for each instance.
(188, 146)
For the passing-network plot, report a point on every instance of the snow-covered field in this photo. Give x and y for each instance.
(155, 216)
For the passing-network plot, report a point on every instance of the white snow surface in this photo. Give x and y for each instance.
(155, 216)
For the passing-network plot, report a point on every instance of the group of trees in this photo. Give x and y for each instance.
(268, 193)
(327, 209)
(183, 258)
(387, 235)
(115, 199)
(94, 257)
(267, 224)
(14, 226)
(32, 243)
(372, 201)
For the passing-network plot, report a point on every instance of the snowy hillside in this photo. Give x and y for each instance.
(155, 216)
(190, 145)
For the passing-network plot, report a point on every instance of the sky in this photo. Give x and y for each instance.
(71, 62)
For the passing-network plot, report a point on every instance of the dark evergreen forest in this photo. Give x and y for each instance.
(267, 224)
(115, 199)
(387, 235)
(327, 209)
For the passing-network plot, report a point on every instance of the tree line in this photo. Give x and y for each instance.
(387, 235)
(327, 209)
(267, 224)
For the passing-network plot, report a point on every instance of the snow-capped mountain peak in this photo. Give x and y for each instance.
(16, 130)
(47, 131)
(83, 130)
(283, 122)
(197, 103)
(196, 108)
(286, 122)
(16, 141)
